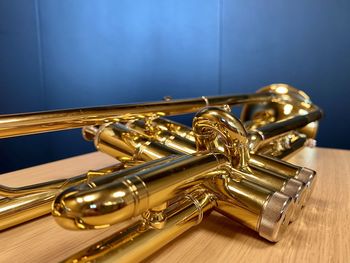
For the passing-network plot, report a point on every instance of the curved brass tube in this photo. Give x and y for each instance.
(130, 146)
(112, 139)
(26, 203)
(7, 191)
(14, 211)
(264, 177)
(162, 124)
(212, 124)
(289, 186)
(87, 206)
(39, 122)
(235, 141)
(186, 139)
(128, 245)
(22, 208)
(263, 135)
(100, 205)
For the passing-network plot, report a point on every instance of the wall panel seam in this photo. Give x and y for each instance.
(40, 54)
(220, 43)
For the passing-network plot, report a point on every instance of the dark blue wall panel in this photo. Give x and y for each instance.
(108, 52)
(20, 78)
(99, 52)
(21, 87)
(302, 43)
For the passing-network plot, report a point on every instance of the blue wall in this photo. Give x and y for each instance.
(59, 54)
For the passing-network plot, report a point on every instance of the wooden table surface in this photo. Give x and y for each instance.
(322, 234)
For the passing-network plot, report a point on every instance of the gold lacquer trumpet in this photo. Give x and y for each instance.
(170, 175)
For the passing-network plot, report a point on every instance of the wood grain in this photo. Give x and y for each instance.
(322, 234)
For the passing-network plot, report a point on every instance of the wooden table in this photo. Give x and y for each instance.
(322, 234)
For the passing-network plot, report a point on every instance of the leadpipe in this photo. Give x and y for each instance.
(38, 122)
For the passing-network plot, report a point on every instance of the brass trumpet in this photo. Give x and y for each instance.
(170, 175)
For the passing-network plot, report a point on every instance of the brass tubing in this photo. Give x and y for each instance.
(110, 177)
(214, 126)
(125, 145)
(264, 211)
(279, 166)
(174, 127)
(175, 142)
(158, 134)
(160, 125)
(244, 206)
(38, 122)
(292, 123)
(138, 241)
(116, 136)
(262, 135)
(282, 146)
(76, 207)
(7, 191)
(116, 141)
(23, 208)
(302, 174)
(268, 179)
(229, 131)
(30, 202)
